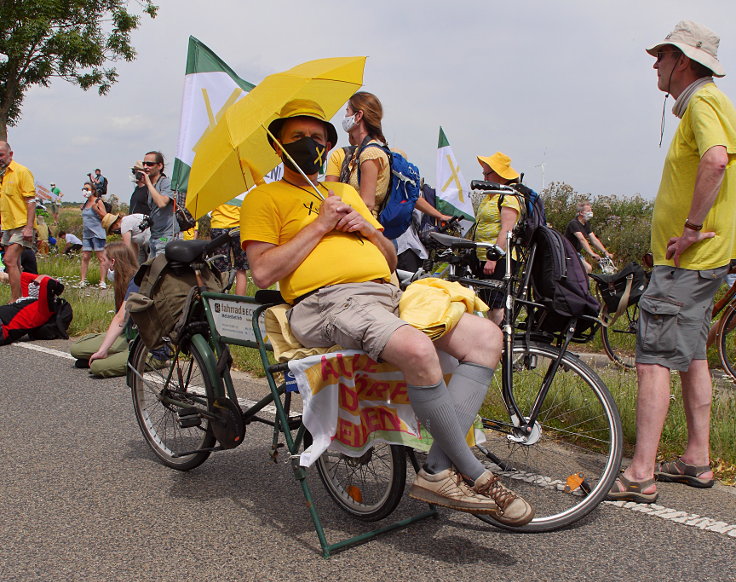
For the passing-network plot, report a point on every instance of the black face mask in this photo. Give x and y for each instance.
(307, 153)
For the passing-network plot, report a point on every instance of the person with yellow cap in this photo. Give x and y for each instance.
(491, 225)
(693, 242)
(333, 264)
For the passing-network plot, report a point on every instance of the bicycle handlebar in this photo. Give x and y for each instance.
(494, 252)
(490, 186)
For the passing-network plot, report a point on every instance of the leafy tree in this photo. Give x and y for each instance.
(70, 39)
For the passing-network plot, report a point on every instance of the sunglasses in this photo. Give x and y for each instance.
(663, 54)
(149, 164)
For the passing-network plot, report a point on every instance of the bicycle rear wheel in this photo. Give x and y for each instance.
(727, 342)
(619, 338)
(169, 397)
(569, 462)
(368, 487)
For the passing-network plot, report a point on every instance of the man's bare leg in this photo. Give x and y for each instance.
(12, 268)
(697, 394)
(651, 410)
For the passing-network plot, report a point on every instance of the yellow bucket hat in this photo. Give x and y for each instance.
(501, 164)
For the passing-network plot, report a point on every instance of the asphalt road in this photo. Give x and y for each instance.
(83, 498)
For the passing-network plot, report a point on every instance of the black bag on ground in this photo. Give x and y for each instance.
(560, 284)
(164, 291)
(58, 326)
(613, 287)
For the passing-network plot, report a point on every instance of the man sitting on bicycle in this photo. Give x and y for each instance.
(333, 265)
(579, 231)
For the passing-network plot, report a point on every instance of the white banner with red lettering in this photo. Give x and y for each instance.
(350, 401)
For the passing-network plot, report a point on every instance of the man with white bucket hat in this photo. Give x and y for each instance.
(693, 241)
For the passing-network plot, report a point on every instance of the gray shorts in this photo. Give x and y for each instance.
(358, 316)
(14, 236)
(675, 315)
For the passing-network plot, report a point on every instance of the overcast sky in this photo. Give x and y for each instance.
(564, 88)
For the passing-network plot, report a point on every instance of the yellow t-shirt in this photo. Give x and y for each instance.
(15, 191)
(225, 216)
(710, 120)
(334, 162)
(276, 212)
(488, 218)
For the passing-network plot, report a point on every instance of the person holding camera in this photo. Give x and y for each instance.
(161, 200)
(134, 230)
(139, 197)
(99, 182)
(93, 233)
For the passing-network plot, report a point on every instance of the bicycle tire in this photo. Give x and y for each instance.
(727, 342)
(162, 424)
(619, 339)
(368, 487)
(577, 441)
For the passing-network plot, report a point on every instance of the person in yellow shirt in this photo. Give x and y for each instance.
(17, 214)
(226, 218)
(693, 241)
(328, 253)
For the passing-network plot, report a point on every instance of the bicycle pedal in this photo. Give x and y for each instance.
(187, 411)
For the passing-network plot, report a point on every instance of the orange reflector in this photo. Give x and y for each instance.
(355, 493)
(573, 482)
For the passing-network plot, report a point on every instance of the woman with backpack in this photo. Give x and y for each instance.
(93, 233)
(365, 165)
(107, 354)
(492, 222)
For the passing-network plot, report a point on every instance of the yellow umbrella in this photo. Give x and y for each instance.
(235, 155)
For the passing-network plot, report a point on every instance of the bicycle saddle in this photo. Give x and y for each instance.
(185, 251)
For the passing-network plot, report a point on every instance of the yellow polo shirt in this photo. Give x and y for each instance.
(710, 120)
(16, 189)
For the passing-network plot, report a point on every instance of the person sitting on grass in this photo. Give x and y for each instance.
(106, 355)
(32, 310)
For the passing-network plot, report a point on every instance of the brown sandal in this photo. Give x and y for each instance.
(625, 490)
(678, 471)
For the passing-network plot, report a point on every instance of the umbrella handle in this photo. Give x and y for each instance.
(273, 137)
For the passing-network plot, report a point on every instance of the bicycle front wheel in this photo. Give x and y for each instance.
(727, 342)
(569, 462)
(368, 487)
(169, 399)
(619, 338)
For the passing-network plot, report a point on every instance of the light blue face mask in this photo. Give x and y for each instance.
(348, 122)
(110, 275)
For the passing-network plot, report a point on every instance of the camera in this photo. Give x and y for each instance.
(137, 173)
(145, 223)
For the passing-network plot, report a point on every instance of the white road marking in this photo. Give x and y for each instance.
(691, 519)
(51, 352)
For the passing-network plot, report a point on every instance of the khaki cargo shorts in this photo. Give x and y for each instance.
(674, 316)
(14, 236)
(357, 316)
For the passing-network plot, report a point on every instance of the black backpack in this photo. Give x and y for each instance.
(58, 326)
(560, 284)
(613, 287)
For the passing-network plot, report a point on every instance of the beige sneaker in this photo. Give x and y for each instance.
(510, 508)
(448, 489)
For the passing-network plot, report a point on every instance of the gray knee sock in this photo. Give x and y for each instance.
(435, 410)
(468, 387)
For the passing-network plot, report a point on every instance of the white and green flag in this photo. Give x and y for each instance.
(453, 194)
(210, 87)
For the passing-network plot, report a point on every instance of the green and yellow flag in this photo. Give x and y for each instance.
(453, 194)
(210, 87)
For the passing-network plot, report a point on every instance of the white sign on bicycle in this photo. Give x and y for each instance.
(233, 319)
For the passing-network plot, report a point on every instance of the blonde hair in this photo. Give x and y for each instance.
(126, 266)
(372, 110)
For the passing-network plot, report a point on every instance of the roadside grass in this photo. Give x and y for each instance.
(93, 309)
